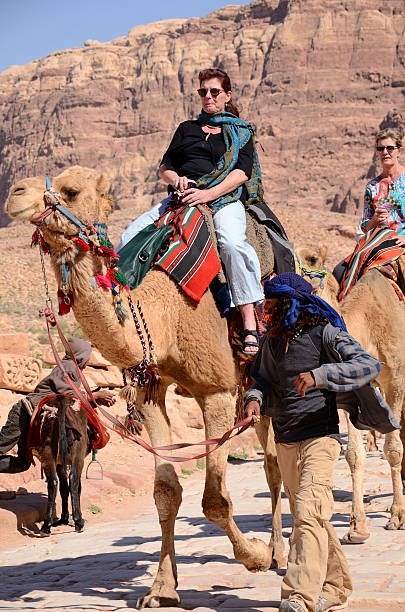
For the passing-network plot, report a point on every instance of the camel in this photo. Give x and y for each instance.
(376, 318)
(192, 349)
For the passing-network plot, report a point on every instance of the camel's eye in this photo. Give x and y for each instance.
(71, 194)
(313, 260)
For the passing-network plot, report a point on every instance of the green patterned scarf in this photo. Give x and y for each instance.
(236, 134)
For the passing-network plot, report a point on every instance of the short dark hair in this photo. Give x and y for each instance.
(223, 77)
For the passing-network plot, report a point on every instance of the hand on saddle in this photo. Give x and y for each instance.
(194, 196)
(105, 398)
(400, 240)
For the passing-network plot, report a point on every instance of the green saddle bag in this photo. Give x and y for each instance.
(139, 254)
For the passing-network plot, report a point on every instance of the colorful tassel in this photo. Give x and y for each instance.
(120, 311)
(106, 242)
(35, 238)
(116, 276)
(102, 281)
(83, 246)
(105, 251)
(65, 302)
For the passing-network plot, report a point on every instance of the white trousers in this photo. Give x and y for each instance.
(240, 260)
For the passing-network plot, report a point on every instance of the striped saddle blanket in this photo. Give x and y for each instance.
(191, 259)
(376, 248)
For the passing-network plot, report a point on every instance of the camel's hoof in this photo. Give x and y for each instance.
(151, 600)
(278, 562)
(392, 525)
(356, 537)
(258, 558)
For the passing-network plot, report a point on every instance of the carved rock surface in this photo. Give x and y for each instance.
(19, 372)
(314, 78)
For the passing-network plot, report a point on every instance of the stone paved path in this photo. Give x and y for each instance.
(108, 567)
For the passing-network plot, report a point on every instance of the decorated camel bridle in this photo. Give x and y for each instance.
(93, 238)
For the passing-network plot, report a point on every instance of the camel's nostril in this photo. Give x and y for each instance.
(18, 190)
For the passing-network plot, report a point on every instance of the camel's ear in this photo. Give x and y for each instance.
(323, 253)
(105, 199)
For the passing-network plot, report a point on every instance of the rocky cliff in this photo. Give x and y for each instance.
(315, 78)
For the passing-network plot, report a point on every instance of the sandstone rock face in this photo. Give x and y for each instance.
(315, 78)
(14, 343)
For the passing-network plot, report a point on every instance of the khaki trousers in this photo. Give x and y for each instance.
(316, 563)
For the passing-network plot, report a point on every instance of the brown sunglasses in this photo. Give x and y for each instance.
(214, 91)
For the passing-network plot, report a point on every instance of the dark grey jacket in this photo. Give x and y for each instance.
(348, 372)
(366, 406)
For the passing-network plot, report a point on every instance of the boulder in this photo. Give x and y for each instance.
(96, 358)
(99, 377)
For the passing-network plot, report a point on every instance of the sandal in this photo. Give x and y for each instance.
(249, 332)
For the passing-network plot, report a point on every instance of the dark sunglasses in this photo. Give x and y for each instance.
(390, 149)
(214, 91)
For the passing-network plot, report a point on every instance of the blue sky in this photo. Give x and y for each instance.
(30, 29)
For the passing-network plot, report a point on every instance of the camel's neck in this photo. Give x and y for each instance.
(94, 310)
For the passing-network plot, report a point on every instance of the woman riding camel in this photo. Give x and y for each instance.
(384, 199)
(383, 220)
(213, 161)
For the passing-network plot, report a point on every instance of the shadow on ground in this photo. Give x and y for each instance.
(115, 576)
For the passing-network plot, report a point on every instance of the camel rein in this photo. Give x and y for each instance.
(139, 372)
(123, 431)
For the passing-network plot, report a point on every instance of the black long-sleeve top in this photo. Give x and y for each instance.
(193, 153)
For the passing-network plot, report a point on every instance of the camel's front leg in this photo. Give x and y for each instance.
(219, 412)
(393, 451)
(167, 494)
(355, 456)
(264, 430)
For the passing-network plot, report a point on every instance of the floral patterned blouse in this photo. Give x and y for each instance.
(388, 193)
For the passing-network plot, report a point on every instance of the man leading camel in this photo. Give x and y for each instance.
(15, 430)
(305, 359)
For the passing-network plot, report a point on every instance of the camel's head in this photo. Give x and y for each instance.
(83, 191)
(313, 257)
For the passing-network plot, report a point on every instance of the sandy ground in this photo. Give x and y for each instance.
(114, 560)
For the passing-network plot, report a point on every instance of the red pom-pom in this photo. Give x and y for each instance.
(102, 281)
(105, 251)
(83, 246)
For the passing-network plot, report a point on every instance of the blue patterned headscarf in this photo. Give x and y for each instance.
(299, 292)
(236, 133)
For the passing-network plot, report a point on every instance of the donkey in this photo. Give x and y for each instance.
(62, 447)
